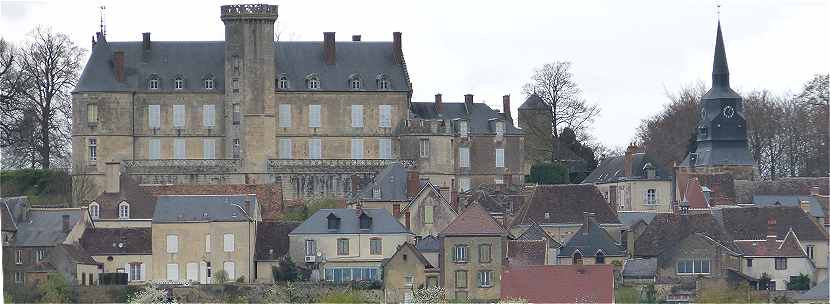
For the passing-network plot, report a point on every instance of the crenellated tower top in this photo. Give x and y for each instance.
(249, 11)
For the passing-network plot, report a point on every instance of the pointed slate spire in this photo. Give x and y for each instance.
(720, 70)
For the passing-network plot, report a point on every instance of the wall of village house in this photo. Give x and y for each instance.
(358, 246)
(473, 266)
(264, 273)
(820, 257)
(395, 272)
(191, 241)
(83, 271)
(690, 248)
(123, 224)
(795, 266)
(441, 217)
(632, 195)
(589, 260)
(123, 260)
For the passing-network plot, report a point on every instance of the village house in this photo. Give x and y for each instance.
(634, 223)
(75, 264)
(533, 247)
(780, 261)
(430, 247)
(591, 244)
(501, 201)
(121, 250)
(633, 182)
(272, 247)
(406, 271)
(123, 204)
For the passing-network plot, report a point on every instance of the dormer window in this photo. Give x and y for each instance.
(376, 193)
(178, 83)
(462, 128)
(154, 84)
(333, 222)
(365, 221)
(382, 82)
(123, 210)
(354, 82)
(282, 82)
(312, 82)
(209, 84)
(499, 128)
(94, 210)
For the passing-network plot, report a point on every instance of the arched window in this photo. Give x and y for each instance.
(382, 82)
(94, 210)
(354, 82)
(178, 83)
(153, 83)
(577, 258)
(282, 82)
(123, 210)
(208, 82)
(600, 257)
(312, 82)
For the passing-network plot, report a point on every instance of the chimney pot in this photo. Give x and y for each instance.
(65, 223)
(439, 104)
(329, 51)
(118, 62)
(413, 183)
(146, 41)
(468, 101)
(397, 48)
(629, 159)
(771, 231)
(356, 38)
(505, 101)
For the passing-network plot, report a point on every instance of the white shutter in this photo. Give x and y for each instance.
(173, 272)
(209, 116)
(143, 270)
(178, 116)
(203, 272)
(192, 272)
(314, 116)
(207, 243)
(129, 272)
(499, 158)
(464, 184)
(462, 128)
(357, 148)
(357, 116)
(285, 148)
(385, 148)
(153, 116)
(209, 148)
(179, 151)
(229, 269)
(315, 148)
(464, 157)
(385, 116)
(229, 242)
(155, 148)
(285, 115)
(172, 243)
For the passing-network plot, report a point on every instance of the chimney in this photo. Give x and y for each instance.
(112, 174)
(505, 106)
(413, 183)
(815, 191)
(146, 41)
(468, 101)
(397, 49)
(66, 223)
(805, 205)
(356, 38)
(771, 231)
(589, 217)
(439, 105)
(118, 63)
(329, 51)
(629, 158)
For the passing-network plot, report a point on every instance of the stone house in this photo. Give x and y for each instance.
(779, 260)
(75, 264)
(123, 204)
(346, 244)
(634, 223)
(405, 271)
(122, 250)
(430, 247)
(591, 244)
(633, 182)
(533, 247)
(472, 255)
(271, 247)
(501, 201)
(194, 236)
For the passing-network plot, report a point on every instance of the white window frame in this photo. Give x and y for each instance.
(209, 148)
(383, 83)
(315, 148)
(464, 157)
(429, 214)
(461, 254)
(228, 242)
(314, 113)
(92, 113)
(209, 84)
(357, 116)
(209, 116)
(172, 272)
(18, 257)
(310, 247)
(372, 242)
(18, 277)
(354, 83)
(357, 148)
(92, 148)
(179, 148)
(313, 83)
(651, 197)
(485, 278)
(154, 147)
(40, 254)
(463, 130)
(464, 184)
(135, 271)
(123, 210)
(285, 148)
(154, 84)
(192, 272)
(282, 82)
(500, 158)
(172, 244)
(94, 210)
(230, 269)
(207, 242)
(499, 128)
(810, 251)
(385, 148)
(423, 145)
(385, 116)
(285, 115)
(179, 83)
(179, 116)
(154, 116)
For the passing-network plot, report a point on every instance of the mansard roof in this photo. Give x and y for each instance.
(382, 222)
(479, 115)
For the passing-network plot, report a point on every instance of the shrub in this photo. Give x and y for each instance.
(55, 289)
(220, 277)
(151, 294)
(288, 293)
(801, 282)
(433, 294)
(240, 279)
(302, 213)
(342, 297)
(287, 271)
(548, 174)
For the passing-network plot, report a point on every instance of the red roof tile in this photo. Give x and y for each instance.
(526, 252)
(565, 204)
(559, 283)
(474, 220)
(771, 247)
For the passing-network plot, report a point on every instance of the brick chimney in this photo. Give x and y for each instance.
(413, 183)
(356, 38)
(629, 159)
(145, 43)
(805, 205)
(468, 101)
(397, 49)
(771, 231)
(589, 216)
(118, 64)
(329, 51)
(505, 106)
(439, 105)
(66, 223)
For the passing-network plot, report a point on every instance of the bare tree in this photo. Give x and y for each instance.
(554, 84)
(667, 135)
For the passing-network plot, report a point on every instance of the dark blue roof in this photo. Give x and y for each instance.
(204, 208)
(590, 239)
(382, 222)
(44, 227)
(612, 170)
(391, 181)
(429, 244)
(479, 115)
(789, 200)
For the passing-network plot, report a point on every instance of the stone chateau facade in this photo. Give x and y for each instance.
(319, 118)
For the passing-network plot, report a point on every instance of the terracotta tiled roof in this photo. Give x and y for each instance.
(526, 252)
(666, 230)
(565, 204)
(785, 186)
(118, 241)
(559, 283)
(750, 223)
(474, 220)
(269, 196)
(693, 195)
(272, 239)
(722, 187)
(771, 247)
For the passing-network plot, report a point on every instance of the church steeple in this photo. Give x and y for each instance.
(720, 69)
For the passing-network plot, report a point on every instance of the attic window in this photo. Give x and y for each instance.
(312, 82)
(382, 82)
(354, 82)
(282, 82)
(94, 210)
(333, 222)
(376, 193)
(365, 221)
(547, 215)
(123, 210)
(499, 128)
(154, 84)
(179, 83)
(208, 84)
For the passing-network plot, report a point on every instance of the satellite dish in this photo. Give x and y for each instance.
(120, 245)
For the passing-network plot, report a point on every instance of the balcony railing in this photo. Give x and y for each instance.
(181, 166)
(333, 165)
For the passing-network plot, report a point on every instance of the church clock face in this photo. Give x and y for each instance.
(728, 111)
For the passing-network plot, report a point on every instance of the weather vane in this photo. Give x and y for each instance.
(103, 29)
(717, 4)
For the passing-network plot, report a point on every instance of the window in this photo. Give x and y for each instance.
(462, 129)
(282, 82)
(464, 157)
(498, 180)
(385, 116)
(178, 116)
(312, 83)
(155, 148)
(18, 277)
(179, 147)
(315, 148)
(237, 116)
(810, 251)
(424, 148)
(228, 242)
(385, 148)
(285, 148)
(230, 269)
(432, 282)
(192, 272)
(91, 113)
(342, 246)
(18, 257)
(693, 267)
(172, 243)
(354, 83)
(285, 115)
(314, 116)
(236, 148)
(40, 255)
(485, 278)
(94, 210)
(207, 242)
(179, 83)
(340, 275)
(208, 84)
(173, 272)
(376, 193)
(92, 147)
(748, 262)
(464, 184)
(382, 82)
(599, 258)
(460, 255)
(577, 258)
(780, 263)
(429, 213)
(357, 148)
(310, 248)
(154, 84)
(499, 128)
(499, 158)
(357, 116)
(409, 280)
(460, 279)
(484, 253)
(651, 196)
(209, 148)
(375, 246)
(153, 116)
(209, 116)
(235, 85)
(135, 273)
(123, 210)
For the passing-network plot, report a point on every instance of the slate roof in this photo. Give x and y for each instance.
(590, 239)
(272, 239)
(494, 200)
(392, 183)
(382, 222)
(76, 254)
(44, 227)
(479, 116)
(771, 247)
(268, 196)
(630, 218)
(536, 233)
(565, 204)
(203, 208)
(750, 223)
(667, 230)
(820, 292)
(559, 283)
(744, 190)
(118, 241)
(198, 60)
(640, 268)
(612, 170)
(473, 220)
(17, 206)
(142, 203)
(8, 223)
(789, 200)
(533, 102)
(526, 252)
(428, 243)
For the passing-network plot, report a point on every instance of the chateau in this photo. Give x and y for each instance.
(318, 118)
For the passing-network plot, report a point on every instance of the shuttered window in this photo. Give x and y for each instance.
(285, 115)
(464, 157)
(464, 184)
(385, 148)
(209, 148)
(172, 243)
(230, 270)
(385, 116)
(207, 242)
(209, 116)
(193, 272)
(357, 116)
(153, 116)
(314, 116)
(173, 272)
(499, 158)
(285, 148)
(315, 149)
(155, 148)
(178, 116)
(357, 148)
(462, 128)
(228, 243)
(179, 148)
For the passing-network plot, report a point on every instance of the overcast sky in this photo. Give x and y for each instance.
(626, 54)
